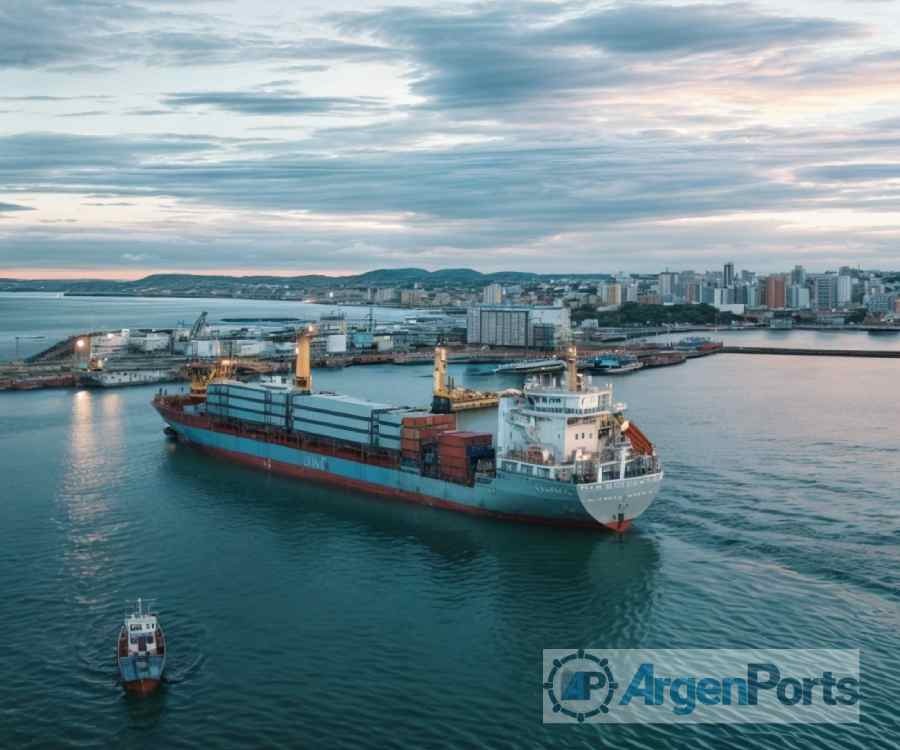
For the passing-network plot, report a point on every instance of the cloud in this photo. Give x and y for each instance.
(272, 103)
(509, 134)
(493, 55)
(10, 207)
(695, 29)
(84, 113)
(851, 172)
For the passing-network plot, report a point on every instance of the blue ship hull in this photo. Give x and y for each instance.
(509, 496)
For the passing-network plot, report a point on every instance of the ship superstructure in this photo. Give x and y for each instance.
(564, 452)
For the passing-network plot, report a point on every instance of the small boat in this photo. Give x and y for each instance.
(141, 651)
(531, 367)
(697, 346)
(616, 364)
(664, 359)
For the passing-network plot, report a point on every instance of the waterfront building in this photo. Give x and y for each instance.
(775, 292)
(518, 326)
(412, 297)
(667, 286)
(492, 294)
(844, 289)
(825, 291)
(728, 275)
(882, 302)
(385, 295)
(798, 297)
(610, 295)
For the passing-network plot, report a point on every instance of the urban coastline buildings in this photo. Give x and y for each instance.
(521, 327)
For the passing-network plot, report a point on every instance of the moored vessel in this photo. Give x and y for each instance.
(698, 346)
(564, 452)
(616, 364)
(141, 651)
(530, 367)
(100, 378)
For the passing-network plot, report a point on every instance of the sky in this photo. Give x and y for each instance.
(245, 137)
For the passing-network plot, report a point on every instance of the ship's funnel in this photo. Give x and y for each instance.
(303, 366)
(572, 368)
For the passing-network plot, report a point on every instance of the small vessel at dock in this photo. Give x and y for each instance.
(141, 651)
(698, 346)
(616, 364)
(663, 359)
(531, 367)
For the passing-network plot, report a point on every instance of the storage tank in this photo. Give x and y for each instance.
(336, 343)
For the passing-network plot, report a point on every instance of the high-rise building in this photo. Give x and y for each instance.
(798, 276)
(728, 275)
(844, 289)
(775, 292)
(610, 294)
(798, 297)
(507, 325)
(825, 292)
(385, 294)
(666, 286)
(492, 294)
(692, 292)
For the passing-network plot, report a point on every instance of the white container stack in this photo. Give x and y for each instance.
(337, 417)
(259, 404)
(348, 418)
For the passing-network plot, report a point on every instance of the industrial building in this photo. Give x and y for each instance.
(522, 326)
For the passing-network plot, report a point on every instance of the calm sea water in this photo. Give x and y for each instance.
(300, 616)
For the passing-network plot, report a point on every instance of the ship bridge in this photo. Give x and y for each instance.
(569, 431)
(547, 396)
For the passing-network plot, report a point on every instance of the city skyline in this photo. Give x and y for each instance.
(243, 138)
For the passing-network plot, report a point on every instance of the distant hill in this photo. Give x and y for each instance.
(201, 285)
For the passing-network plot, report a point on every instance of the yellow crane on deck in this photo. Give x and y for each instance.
(447, 398)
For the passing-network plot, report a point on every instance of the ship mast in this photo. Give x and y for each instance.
(303, 365)
(572, 368)
(440, 371)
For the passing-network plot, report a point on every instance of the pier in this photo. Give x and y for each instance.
(875, 353)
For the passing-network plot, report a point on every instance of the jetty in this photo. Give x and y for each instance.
(874, 353)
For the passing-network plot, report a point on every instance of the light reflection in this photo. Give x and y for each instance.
(94, 435)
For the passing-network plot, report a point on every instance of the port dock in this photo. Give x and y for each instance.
(873, 353)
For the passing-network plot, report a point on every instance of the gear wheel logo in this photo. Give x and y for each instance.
(579, 686)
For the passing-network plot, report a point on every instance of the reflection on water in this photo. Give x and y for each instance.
(82, 497)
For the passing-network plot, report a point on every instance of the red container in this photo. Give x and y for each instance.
(456, 437)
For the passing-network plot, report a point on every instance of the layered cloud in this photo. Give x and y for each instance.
(508, 135)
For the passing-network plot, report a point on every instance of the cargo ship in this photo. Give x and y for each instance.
(564, 453)
(141, 651)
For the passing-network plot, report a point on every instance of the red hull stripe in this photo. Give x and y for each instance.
(141, 686)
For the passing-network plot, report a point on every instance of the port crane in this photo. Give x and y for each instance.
(198, 326)
(448, 398)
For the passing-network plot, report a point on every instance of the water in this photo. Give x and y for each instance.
(301, 616)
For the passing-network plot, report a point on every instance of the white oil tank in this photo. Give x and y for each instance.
(336, 343)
